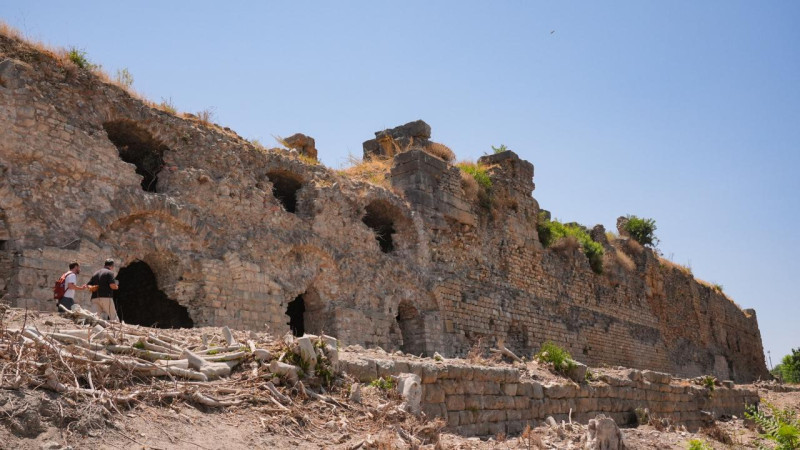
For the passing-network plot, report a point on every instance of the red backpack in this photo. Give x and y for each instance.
(61, 287)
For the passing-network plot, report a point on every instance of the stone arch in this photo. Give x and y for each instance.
(6, 255)
(138, 147)
(140, 216)
(306, 314)
(285, 185)
(412, 328)
(141, 301)
(309, 284)
(385, 220)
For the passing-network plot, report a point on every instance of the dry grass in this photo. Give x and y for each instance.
(611, 236)
(633, 247)
(623, 260)
(206, 116)
(374, 171)
(675, 266)
(9, 31)
(566, 244)
(470, 187)
(440, 151)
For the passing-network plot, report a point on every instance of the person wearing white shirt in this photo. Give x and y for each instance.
(71, 285)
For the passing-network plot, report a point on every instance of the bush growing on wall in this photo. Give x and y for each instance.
(642, 230)
(552, 231)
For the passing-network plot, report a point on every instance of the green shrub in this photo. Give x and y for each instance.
(552, 353)
(78, 57)
(383, 384)
(642, 230)
(709, 382)
(551, 231)
(479, 173)
(697, 444)
(779, 425)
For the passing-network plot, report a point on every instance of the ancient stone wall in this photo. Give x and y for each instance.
(205, 225)
(481, 400)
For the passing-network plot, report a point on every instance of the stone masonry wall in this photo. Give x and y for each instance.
(479, 400)
(234, 233)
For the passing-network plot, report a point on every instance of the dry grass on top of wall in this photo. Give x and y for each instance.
(374, 171)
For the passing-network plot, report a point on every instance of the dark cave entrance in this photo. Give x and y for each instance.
(412, 329)
(139, 301)
(284, 187)
(138, 147)
(295, 311)
(6, 256)
(380, 216)
(306, 314)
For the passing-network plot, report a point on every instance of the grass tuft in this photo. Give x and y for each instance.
(478, 171)
(374, 171)
(555, 355)
(440, 151)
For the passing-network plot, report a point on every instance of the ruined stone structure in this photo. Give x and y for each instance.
(480, 400)
(208, 229)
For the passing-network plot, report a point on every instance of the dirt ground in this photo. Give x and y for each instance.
(41, 419)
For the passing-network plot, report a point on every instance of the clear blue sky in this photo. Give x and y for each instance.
(684, 111)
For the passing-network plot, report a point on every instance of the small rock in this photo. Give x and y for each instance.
(603, 434)
(355, 393)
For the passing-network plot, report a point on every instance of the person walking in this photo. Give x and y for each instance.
(102, 302)
(71, 285)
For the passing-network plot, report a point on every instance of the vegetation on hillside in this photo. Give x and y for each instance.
(789, 368)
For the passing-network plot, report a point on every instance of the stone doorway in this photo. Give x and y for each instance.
(412, 329)
(306, 314)
(139, 301)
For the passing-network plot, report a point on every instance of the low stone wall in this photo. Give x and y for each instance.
(480, 400)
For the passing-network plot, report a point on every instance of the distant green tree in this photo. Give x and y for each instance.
(790, 367)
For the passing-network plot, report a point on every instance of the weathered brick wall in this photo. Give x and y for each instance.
(480, 400)
(221, 243)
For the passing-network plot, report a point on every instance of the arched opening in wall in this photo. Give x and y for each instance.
(412, 328)
(6, 257)
(284, 187)
(139, 301)
(138, 147)
(306, 314)
(381, 217)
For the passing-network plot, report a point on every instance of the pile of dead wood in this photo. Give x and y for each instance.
(121, 364)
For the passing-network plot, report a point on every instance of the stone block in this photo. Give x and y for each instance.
(455, 402)
(509, 388)
(432, 393)
(434, 409)
(537, 390)
(363, 370)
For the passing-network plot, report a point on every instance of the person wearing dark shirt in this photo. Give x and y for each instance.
(103, 287)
